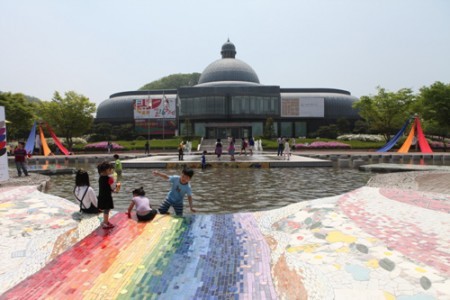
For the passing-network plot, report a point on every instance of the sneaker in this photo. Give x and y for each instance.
(107, 225)
(111, 224)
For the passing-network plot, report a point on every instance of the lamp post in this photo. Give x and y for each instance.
(148, 107)
(164, 99)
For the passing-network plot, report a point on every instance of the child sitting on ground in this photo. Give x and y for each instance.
(144, 211)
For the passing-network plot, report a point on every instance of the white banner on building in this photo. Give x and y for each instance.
(308, 107)
(155, 107)
(312, 107)
(3, 150)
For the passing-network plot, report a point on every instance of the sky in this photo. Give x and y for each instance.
(101, 47)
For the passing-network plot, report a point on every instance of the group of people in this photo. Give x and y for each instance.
(245, 144)
(284, 147)
(90, 203)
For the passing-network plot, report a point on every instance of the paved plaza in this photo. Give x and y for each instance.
(387, 240)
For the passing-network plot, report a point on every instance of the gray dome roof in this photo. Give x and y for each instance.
(228, 68)
(118, 109)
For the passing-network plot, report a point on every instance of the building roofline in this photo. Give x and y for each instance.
(144, 93)
(314, 90)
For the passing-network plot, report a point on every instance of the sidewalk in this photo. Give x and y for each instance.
(388, 240)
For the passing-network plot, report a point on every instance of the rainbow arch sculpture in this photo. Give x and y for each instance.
(415, 131)
(29, 146)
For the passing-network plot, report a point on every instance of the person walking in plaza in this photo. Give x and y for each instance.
(180, 188)
(218, 149)
(109, 146)
(106, 186)
(85, 194)
(280, 146)
(117, 165)
(181, 151)
(251, 145)
(231, 149)
(147, 147)
(287, 149)
(204, 159)
(244, 145)
(144, 211)
(20, 158)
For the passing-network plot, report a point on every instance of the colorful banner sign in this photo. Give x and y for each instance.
(3, 147)
(155, 107)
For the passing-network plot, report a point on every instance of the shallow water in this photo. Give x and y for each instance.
(228, 190)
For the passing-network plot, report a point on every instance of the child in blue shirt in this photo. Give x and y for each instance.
(180, 187)
(204, 159)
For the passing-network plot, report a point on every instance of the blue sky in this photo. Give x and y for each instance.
(97, 48)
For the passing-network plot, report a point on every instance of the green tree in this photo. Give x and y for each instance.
(124, 132)
(386, 112)
(434, 105)
(329, 132)
(343, 126)
(69, 116)
(360, 127)
(173, 81)
(20, 112)
(101, 132)
(269, 129)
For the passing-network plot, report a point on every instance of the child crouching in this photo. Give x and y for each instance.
(144, 211)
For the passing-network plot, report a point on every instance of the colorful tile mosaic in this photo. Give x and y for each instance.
(371, 243)
(35, 228)
(215, 256)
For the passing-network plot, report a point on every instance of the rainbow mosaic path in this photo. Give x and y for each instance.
(371, 243)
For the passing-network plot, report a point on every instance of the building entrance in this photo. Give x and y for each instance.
(225, 132)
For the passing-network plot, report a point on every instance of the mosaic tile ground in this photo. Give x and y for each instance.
(371, 243)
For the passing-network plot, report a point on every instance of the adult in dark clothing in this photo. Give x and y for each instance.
(20, 157)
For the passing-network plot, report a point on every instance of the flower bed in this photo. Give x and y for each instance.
(438, 145)
(323, 145)
(102, 146)
(362, 137)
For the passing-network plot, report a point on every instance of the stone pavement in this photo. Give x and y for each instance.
(388, 240)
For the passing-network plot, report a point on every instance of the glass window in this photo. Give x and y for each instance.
(286, 129)
(257, 129)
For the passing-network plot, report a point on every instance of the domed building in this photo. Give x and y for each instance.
(229, 100)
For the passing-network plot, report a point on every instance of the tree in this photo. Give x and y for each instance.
(434, 103)
(328, 132)
(173, 81)
(386, 112)
(343, 126)
(360, 127)
(269, 130)
(124, 132)
(69, 116)
(20, 112)
(101, 132)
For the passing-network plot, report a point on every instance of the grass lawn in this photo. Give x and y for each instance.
(268, 144)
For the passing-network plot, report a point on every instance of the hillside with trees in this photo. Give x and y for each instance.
(173, 81)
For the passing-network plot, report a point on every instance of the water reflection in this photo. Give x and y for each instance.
(225, 190)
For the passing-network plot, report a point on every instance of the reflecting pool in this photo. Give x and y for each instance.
(227, 190)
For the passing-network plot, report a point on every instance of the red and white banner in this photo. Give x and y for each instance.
(155, 107)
